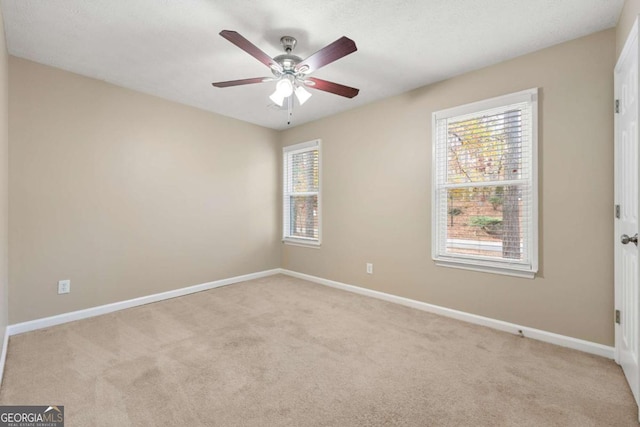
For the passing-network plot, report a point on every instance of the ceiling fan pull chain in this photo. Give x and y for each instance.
(289, 110)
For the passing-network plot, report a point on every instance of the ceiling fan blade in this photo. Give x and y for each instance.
(336, 88)
(239, 82)
(336, 50)
(244, 44)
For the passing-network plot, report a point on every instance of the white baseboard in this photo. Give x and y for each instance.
(45, 322)
(3, 355)
(537, 334)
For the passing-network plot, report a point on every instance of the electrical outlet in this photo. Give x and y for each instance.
(64, 286)
(369, 268)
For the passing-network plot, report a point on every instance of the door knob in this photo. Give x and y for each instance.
(626, 239)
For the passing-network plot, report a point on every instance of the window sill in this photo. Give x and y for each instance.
(494, 268)
(314, 244)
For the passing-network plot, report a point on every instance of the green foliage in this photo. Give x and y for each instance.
(495, 202)
(484, 221)
(488, 224)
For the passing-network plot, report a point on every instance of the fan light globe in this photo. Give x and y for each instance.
(302, 95)
(284, 88)
(277, 98)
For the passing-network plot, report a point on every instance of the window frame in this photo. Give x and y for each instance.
(478, 262)
(287, 151)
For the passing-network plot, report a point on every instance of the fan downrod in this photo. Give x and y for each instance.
(288, 43)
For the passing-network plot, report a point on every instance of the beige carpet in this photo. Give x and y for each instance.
(284, 352)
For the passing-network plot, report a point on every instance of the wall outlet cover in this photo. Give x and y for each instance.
(64, 286)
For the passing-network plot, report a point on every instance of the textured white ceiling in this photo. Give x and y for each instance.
(172, 49)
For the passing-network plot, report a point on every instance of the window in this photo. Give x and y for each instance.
(301, 190)
(484, 185)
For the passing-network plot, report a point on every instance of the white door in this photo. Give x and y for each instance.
(626, 200)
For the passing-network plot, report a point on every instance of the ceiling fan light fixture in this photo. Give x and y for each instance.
(302, 94)
(277, 98)
(284, 87)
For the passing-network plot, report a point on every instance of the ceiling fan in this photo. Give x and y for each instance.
(292, 72)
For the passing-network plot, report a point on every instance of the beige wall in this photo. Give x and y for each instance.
(4, 175)
(377, 200)
(628, 16)
(129, 195)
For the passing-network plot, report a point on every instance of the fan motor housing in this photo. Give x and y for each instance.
(288, 61)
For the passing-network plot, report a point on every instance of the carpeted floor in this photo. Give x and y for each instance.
(280, 351)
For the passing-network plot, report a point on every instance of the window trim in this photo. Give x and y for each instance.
(292, 149)
(477, 263)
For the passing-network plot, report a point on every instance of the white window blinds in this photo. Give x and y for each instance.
(484, 185)
(301, 191)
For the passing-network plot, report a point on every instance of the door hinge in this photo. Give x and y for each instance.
(617, 105)
(618, 211)
(618, 317)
